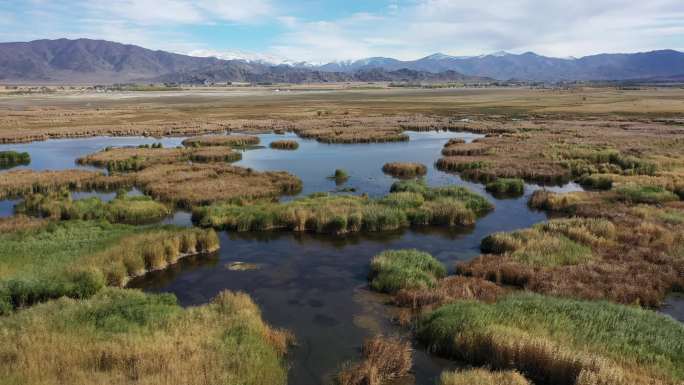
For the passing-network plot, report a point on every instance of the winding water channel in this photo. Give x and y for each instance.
(313, 285)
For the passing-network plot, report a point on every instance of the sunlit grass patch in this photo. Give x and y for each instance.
(121, 336)
(127, 159)
(393, 270)
(560, 341)
(77, 258)
(449, 289)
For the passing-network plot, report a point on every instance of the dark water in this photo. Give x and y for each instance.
(313, 285)
(674, 306)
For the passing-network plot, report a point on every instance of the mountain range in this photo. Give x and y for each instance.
(103, 62)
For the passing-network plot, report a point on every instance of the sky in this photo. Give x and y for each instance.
(324, 31)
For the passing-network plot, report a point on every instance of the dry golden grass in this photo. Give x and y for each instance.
(20, 223)
(222, 140)
(449, 289)
(123, 336)
(284, 145)
(482, 377)
(404, 169)
(384, 359)
(639, 262)
(133, 159)
(201, 184)
(21, 182)
(351, 134)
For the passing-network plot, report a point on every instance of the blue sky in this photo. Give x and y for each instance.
(321, 31)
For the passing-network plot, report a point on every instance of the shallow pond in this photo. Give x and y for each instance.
(313, 285)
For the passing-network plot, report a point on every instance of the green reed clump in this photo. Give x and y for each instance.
(596, 181)
(122, 209)
(323, 213)
(506, 186)
(451, 164)
(555, 243)
(560, 341)
(284, 145)
(121, 334)
(77, 258)
(393, 270)
(479, 204)
(9, 159)
(644, 194)
(480, 376)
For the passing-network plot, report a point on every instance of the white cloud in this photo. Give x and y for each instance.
(463, 27)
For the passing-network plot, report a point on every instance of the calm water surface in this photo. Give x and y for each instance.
(313, 285)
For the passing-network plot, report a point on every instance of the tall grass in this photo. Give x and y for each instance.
(222, 140)
(506, 187)
(482, 377)
(9, 159)
(122, 209)
(201, 184)
(16, 183)
(322, 213)
(284, 144)
(394, 270)
(384, 359)
(126, 159)
(560, 341)
(77, 258)
(449, 289)
(471, 200)
(122, 336)
(404, 169)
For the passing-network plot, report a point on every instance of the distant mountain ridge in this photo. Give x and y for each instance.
(530, 66)
(99, 61)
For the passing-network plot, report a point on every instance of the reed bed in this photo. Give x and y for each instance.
(9, 159)
(76, 258)
(122, 336)
(394, 270)
(202, 184)
(558, 341)
(351, 135)
(17, 183)
(284, 144)
(449, 289)
(480, 376)
(18, 223)
(404, 169)
(323, 213)
(558, 242)
(222, 140)
(126, 159)
(636, 259)
(506, 187)
(635, 194)
(384, 359)
(465, 149)
(215, 154)
(122, 209)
